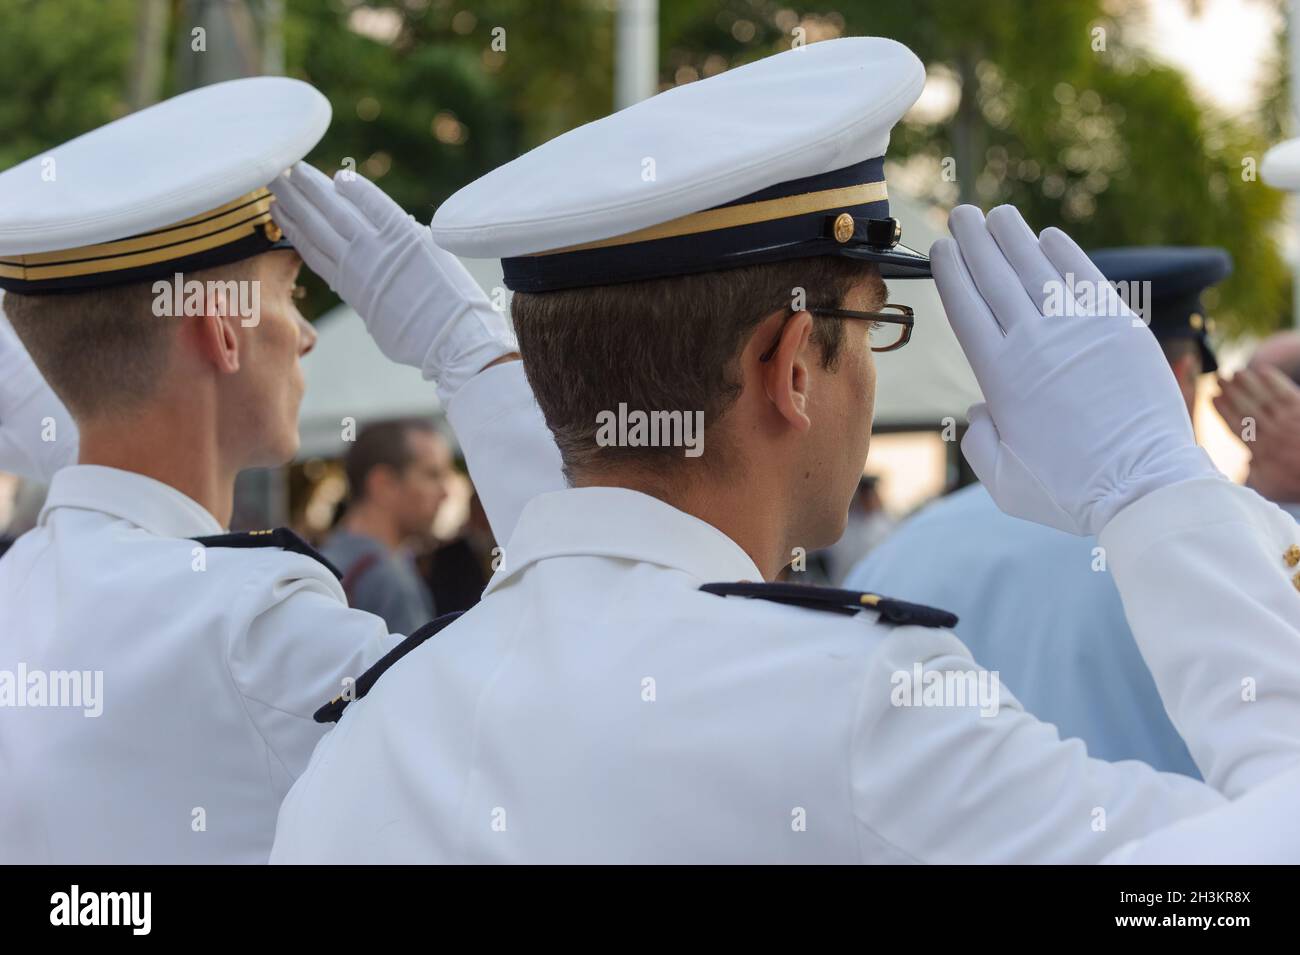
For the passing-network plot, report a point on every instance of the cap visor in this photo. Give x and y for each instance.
(898, 262)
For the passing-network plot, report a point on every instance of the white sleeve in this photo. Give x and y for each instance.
(508, 448)
(1257, 829)
(37, 435)
(301, 643)
(1208, 593)
(1215, 608)
(947, 783)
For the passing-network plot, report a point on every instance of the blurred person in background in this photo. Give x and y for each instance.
(456, 572)
(1267, 392)
(1038, 605)
(397, 480)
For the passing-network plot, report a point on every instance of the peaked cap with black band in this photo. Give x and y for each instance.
(779, 159)
(176, 187)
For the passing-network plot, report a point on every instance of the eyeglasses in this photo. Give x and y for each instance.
(889, 330)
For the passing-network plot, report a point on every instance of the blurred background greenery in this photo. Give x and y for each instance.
(1107, 143)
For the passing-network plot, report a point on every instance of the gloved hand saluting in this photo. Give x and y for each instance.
(419, 304)
(1082, 415)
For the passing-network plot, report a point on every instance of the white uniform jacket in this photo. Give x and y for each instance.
(597, 706)
(156, 696)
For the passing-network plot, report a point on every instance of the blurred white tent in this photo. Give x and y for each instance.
(349, 377)
(918, 386)
(929, 379)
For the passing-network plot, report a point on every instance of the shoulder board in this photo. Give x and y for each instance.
(331, 711)
(839, 601)
(280, 537)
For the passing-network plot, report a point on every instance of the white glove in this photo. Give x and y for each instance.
(419, 304)
(1082, 414)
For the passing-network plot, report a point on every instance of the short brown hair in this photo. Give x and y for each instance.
(102, 350)
(381, 444)
(661, 345)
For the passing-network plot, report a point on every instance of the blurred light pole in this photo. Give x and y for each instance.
(145, 71)
(228, 39)
(636, 51)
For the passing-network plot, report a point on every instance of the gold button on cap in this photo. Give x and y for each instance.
(844, 227)
(1292, 555)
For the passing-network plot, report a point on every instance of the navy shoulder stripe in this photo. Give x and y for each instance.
(838, 601)
(280, 537)
(333, 710)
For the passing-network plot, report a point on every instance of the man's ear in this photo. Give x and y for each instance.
(215, 333)
(786, 376)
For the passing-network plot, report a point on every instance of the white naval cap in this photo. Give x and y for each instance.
(1281, 166)
(178, 185)
(779, 159)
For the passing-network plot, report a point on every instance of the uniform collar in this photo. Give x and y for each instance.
(616, 522)
(144, 502)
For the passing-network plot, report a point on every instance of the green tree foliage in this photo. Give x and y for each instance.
(1056, 112)
(1079, 133)
(62, 69)
(428, 96)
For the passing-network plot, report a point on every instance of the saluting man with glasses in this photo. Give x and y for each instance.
(630, 689)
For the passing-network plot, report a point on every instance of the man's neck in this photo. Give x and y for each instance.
(366, 519)
(718, 503)
(148, 445)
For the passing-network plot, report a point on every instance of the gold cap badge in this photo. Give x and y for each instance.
(844, 227)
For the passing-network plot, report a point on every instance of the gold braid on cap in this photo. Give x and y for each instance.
(749, 213)
(235, 220)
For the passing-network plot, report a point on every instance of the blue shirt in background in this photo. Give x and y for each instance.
(1032, 607)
